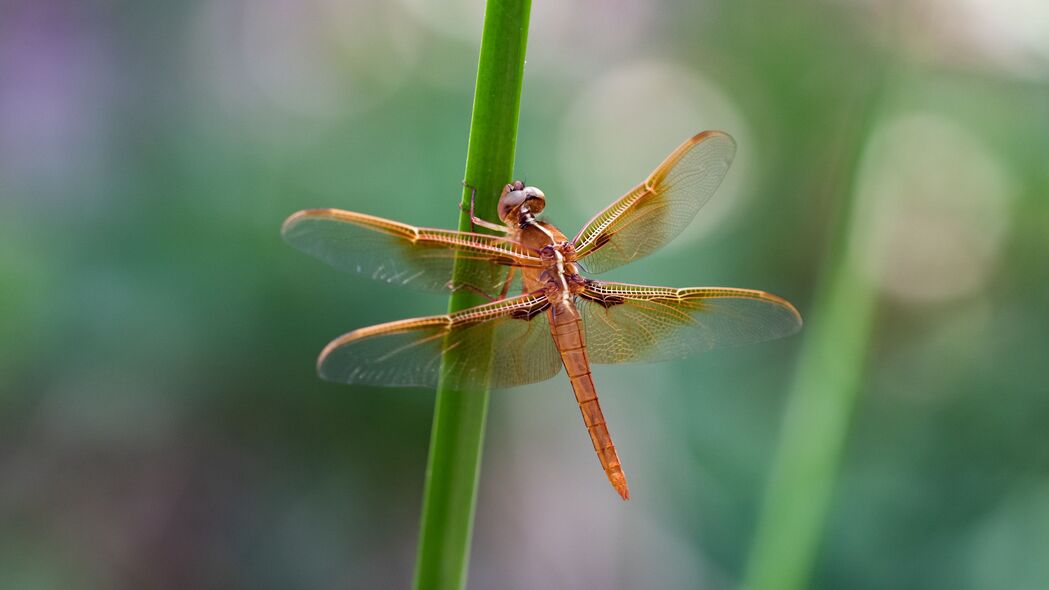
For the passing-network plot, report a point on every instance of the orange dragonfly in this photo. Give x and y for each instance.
(560, 318)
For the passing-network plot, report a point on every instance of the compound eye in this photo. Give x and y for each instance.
(535, 198)
(517, 194)
(510, 201)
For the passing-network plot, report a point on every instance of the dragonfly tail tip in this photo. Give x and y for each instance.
(619, 483)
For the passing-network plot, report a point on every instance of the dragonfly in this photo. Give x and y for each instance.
(544, 312)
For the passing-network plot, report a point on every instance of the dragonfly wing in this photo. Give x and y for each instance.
(637, 323)
(401, 254)
(657, 210)
(408, 353)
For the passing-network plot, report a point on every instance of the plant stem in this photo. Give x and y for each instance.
(823, 393)
(456, 440)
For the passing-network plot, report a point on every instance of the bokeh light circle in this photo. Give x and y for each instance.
(938, 202)
(622, 127)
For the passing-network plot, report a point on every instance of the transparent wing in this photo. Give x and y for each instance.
(636, 323)
(408, 352)
(656, 211)
(402, 254)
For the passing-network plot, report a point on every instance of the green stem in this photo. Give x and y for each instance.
(819, 408)
(459, 416)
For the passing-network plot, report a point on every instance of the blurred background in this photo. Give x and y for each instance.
(161, 424)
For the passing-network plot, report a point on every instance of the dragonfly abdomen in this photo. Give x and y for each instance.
(567, 330)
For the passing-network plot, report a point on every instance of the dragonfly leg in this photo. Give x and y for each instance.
(474, 289)
(506, 284)
(475, 220)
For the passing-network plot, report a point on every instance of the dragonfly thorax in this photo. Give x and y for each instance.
(560, 268)
(554, 252)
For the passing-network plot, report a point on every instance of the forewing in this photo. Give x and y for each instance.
(657, 210)
(637, 323)
(408, 352)
(402, 254)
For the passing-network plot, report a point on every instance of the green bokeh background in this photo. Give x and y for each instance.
(161, 425)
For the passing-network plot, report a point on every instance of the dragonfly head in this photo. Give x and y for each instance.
(518, 199)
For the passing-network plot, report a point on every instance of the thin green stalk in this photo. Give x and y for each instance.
(454, 461)
(819, 408)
